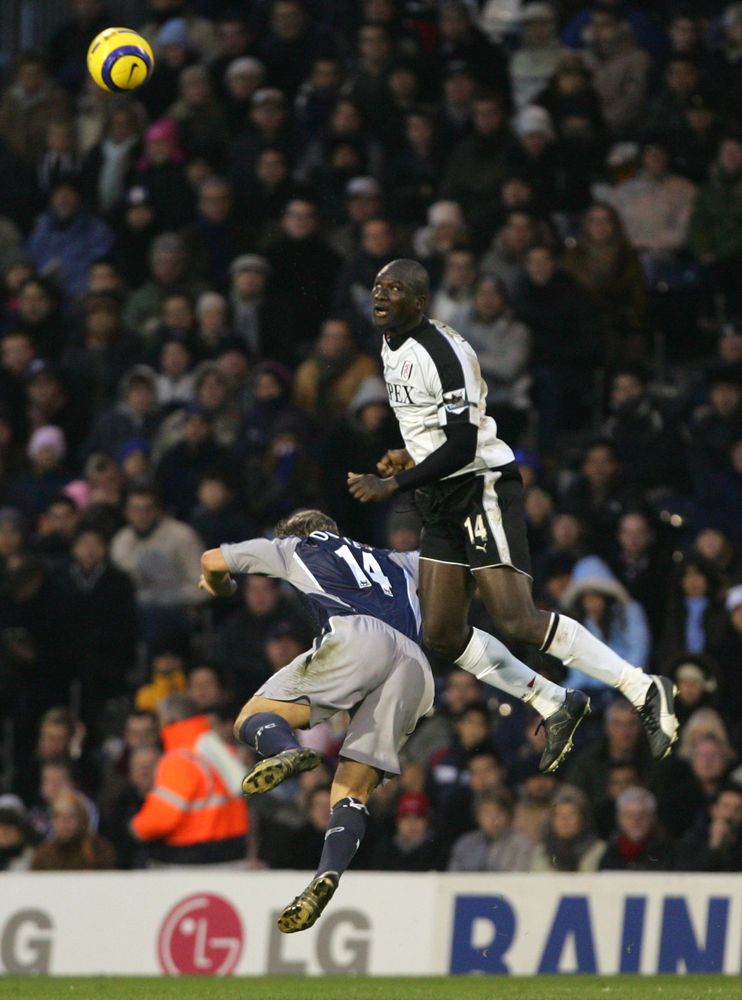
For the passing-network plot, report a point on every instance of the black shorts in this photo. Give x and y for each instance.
(476, 520)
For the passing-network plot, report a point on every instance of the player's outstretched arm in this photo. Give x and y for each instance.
(395, 460)
(215, 577)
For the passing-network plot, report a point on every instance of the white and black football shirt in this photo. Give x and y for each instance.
(433, 379)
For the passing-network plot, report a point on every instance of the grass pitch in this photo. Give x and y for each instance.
(349, 988)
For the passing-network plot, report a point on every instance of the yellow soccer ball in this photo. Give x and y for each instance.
(120, 59)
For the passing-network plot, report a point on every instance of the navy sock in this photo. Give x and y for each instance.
(348, 821)
(268, 733)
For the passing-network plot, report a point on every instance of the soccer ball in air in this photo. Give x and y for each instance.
(119, 59)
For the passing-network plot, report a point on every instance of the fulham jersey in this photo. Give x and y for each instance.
(433, 379)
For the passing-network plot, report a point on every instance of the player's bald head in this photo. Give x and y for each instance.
(412, 273)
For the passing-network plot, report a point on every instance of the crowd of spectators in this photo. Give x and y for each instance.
(186, 355)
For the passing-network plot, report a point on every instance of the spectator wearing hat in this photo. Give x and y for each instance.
(268, 124)
(160, 170)
(263, 321)
(363, 202)
(329, 379)
(240, 78)
(47, 450)
(181, 467)
(213, 326)
(367, 429)
(597, 599)
(108, 168)
(535, 60)
(698, 679)
(304, 267)
(537, 156)
(503, 346)
(414, 846)
(134, 416)
(446, 229)
(716, 222)
(49, 402)
(168, 274)
(696, 142)
(235, 39)
(17, 837)
(494, 846)
(216, 237)
(200, 116)
(173, 52)
(136, 227)
(570, 844)
(638, 843)
(29, 105)
(67, 239)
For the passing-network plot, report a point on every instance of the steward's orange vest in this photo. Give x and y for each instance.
(191, 813)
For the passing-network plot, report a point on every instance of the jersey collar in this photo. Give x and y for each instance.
(394, 342)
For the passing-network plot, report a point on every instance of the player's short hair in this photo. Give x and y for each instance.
(303, 522)
(412, 273)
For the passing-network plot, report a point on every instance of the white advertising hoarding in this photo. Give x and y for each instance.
(223, 923)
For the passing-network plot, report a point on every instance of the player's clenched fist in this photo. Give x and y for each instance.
(369, 489)
(395, 460)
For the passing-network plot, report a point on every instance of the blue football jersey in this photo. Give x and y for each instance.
(352, 578)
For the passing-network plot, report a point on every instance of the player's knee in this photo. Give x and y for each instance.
(245, 712)
(519, 627)
(444, 641)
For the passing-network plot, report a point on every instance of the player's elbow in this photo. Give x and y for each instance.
(212, 561)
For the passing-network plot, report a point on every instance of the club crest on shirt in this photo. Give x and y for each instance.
(406, 370)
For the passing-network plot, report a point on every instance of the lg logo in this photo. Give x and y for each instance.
(201, 936)
(26, 943)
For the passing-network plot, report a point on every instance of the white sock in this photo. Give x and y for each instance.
(492, 662)
(571, 643)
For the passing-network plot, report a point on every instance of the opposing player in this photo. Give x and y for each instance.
(367, 660)
(470, 496)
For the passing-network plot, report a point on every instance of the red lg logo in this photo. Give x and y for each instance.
(201, 936)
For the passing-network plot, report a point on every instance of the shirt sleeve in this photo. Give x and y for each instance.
(259, 555)
(454, 380)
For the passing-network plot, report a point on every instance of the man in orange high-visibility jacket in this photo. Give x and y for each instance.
(195, 814)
